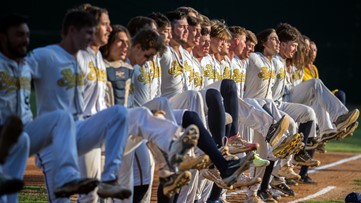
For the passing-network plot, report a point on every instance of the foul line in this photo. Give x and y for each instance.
(334, 163)
(319, 193)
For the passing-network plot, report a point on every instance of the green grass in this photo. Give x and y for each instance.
(35, 194)
(323, 201)
(358, 182)
(351, 144)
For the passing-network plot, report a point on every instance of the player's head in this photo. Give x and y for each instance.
(14, 36)
(268, 42)
(103, 28)
(179, 25)
(163, 26)
(313, 49)
(289, 39)
(238, 42)
(220, 35)
(251, 41)
(189, 11)
(146, 43)
(79, 27)
(118, 44)
(202, 49)
(194, 30)
(139, 22)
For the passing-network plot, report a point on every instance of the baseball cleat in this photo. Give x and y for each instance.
(235, 168)
(237, 145)
(288, 173)
(10, 185)
(347, 119)
(9, 135)
(107, 190)
(183, 144)
(304, 159)
(246, 181)
(199, 163)
(349, 131)
(276, 131)
(259, 162)
(214, 176)
(78, 186)
(173, 183)
(289, 145)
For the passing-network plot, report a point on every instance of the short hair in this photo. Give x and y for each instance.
(282, 26)
(175, 15)
(205, 31)
(187, 10)
(262, 37)
(93, 10)
(160, 19)
(205, 21)
(193, 21)
(148, 39)
(219, 30)
(251, 37)
(11, 20)
(116, 29)
(237, 30)
(288, 34)
(138, 22)
(78, 19)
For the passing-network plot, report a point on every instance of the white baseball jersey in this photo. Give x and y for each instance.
(226, 68)
(260, 77)
(93, 66)
(198, 83)
(173, 79)
(15, 89)
(63, 83)
(146, 82)
(188, 68)
(211, 70)
(295, 75)
(239, 74)
(280, 86)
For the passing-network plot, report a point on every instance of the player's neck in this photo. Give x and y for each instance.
(94, 47)
(69, 47)
(231, 55)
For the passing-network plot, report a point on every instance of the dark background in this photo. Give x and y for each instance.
(333, 25)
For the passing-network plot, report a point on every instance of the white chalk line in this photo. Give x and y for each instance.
(321, 192)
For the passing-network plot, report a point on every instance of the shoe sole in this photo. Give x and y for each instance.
(349, 131)
(189, 140)
(281, 130)
(217, 180)
(11, 186)
(10, 134)
(290, 177)
(247, 184)
(289, 147)
(201, 163)
(338, 134)
(84, 187)
(306, 164)
(247, 148)
(233, 178)
(123, 194)
(183, 179)
(351, 119)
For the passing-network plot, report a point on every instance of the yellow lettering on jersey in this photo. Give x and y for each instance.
(226, 73)
(144, 76)
(175, 69)
(96, 73)
(266, 74)
(297, 75)
(238, 76)
(189, 69)
(198, 79)
(70, 79)
(281, 74)
(9, 83)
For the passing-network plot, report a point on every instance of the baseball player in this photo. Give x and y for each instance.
(54, 131)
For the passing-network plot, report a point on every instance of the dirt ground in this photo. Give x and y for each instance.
(342, 177)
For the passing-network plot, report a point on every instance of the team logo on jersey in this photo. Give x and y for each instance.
(189, 69)
(266, 74)
(198, 79)
(238, 76)
(297, 75)
(96, 73)
(155, 70)
(9, 83)
(144, 76)
(69, 79)
(281, 74)
(175, 69)
(226, 73)
(209, 73)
